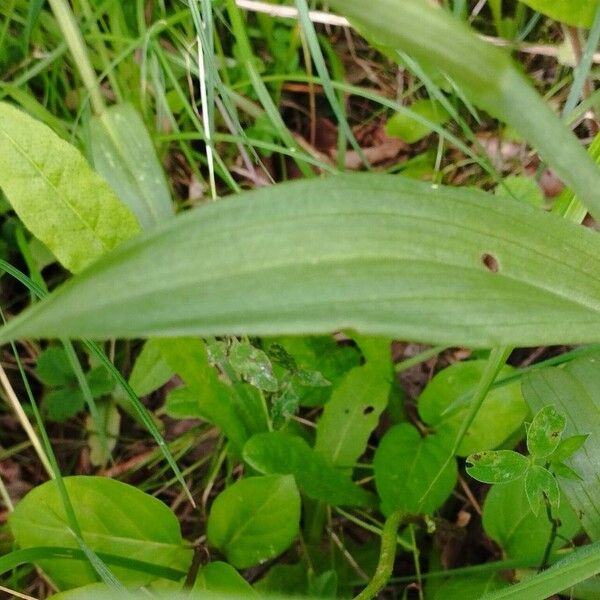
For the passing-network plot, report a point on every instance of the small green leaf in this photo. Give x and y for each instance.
(545, 431)
(253, 365)
(64, 403)
(352, 414)
(310, 379)
(53, 367)
(282, 454)
(150, 370)
(100, 381)
(566, 472)
(284, 404)
(405, 467)
(540, 484)
(497, 466)
(114, 518)
(57, 195)
(255, 519)
(568, 447)
(403, 126)
(221, 578)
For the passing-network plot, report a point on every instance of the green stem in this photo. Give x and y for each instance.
(418, 358)
(70, 30)
(385, 566)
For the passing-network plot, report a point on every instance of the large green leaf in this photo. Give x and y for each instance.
(114, 518)
(255, 519)
(574, 390)
(123, 153)
(377, 253)
(485, 74)
(281, 453)
(56, 194)
(509, 521)
(574, 12)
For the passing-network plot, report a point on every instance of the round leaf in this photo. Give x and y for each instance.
(499, 466)
(545, 432)
(501, 414)
(405, 468)
(255, 519)
(114, 518)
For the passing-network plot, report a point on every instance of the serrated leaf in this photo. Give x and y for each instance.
(57, 195)
(255, 519)
(123, 153)
(114, 518)
(545, 431)
(409, 264)
(405, 467)
(497, 466)
(282, 454)
(540, 484)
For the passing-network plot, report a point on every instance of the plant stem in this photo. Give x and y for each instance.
(70, 30)
(387, 555)
(553, 532)
(418, 358)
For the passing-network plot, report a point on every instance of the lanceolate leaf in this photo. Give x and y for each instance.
(57, 195)
(484, 73)
(376, 253)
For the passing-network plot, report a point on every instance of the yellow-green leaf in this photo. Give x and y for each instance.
(57, 195)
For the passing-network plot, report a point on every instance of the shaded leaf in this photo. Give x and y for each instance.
(282, 454)
(150, 371)
(255, 519)
(509, 521)
(402, 126)
(53, 367)
(57, 195)
(64, 403)
(444, 404)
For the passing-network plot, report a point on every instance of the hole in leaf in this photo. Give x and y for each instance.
(368, 410)
(490, 262)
